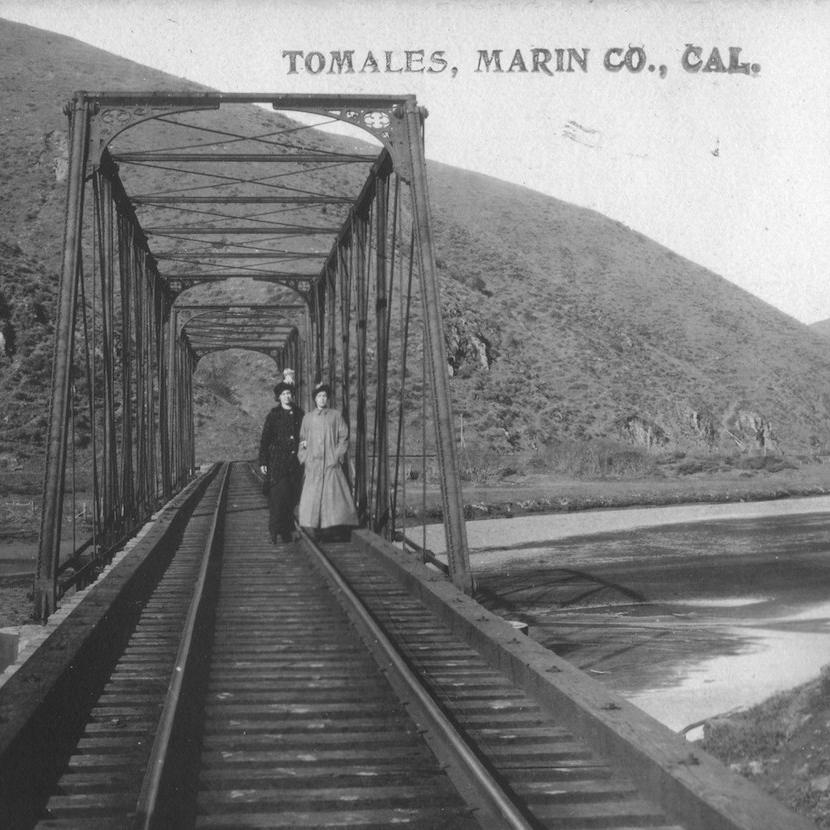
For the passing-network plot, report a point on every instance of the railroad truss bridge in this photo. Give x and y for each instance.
(190, 672)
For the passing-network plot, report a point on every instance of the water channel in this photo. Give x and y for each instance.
(687, 611)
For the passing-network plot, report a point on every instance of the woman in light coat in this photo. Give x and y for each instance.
(326, 501)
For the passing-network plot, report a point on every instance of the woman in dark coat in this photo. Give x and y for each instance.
(278, 462)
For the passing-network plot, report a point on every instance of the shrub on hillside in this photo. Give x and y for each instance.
(479, 462)
(705, 464)
(768, 463)
(594, 459)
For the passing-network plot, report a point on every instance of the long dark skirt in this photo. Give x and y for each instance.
(282, 498)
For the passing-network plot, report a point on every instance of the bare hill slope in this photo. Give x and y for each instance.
(562, 325)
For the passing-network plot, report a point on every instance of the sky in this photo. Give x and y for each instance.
(651, 127)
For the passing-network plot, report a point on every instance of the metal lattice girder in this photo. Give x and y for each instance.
(185, 200)
(265, 328)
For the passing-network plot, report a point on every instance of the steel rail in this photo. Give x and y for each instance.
(158, 764)
(464, 763)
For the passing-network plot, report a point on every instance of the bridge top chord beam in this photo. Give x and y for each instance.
(255, 316)
(237, 307)
(272, 158)
(230, 335)
(239, 230)
(248, 275)
(260, 254)
(234, 327)
(150, 199)
(215, 99)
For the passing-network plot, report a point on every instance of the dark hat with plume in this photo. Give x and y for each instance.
(283, 387)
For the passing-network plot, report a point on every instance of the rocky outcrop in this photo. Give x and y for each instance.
(55, 154)
(642, 432)
(749, 428)
(469, 346)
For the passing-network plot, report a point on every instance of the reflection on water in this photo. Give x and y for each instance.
(773, 662)
(819, 612)
(719, 602)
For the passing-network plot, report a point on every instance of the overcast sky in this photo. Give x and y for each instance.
(727, 168)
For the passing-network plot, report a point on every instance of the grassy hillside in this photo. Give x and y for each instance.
(821, 327)
(564, 329)
(595, 331)
(26, 306)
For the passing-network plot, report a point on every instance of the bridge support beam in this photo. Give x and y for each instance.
(53, 487)
(453, 503)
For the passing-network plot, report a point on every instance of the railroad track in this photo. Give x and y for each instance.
(254, 689)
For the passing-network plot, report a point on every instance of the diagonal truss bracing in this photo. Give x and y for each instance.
(199, 222)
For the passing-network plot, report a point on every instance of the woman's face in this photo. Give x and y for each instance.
(285, 398)
(321, 399)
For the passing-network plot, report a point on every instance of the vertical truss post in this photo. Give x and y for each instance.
(318, 319)
(140, 434)
(342, 273)
(361, 278)
(172, 399)
(299, 364)
(126, 261)
(345, 294)
(191, 424)
(163, 335)
(55, 469)
(453, 505)
(103, 199)
(331, 324)
(381, 524)
(288, 356)
(181, 417)
(181, 412)
(304, 371)
(153, 387)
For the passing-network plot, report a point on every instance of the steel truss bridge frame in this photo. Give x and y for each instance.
(229, 208)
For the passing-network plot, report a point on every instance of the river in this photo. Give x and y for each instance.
(687, 611)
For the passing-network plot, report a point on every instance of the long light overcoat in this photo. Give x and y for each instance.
(325, 500)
